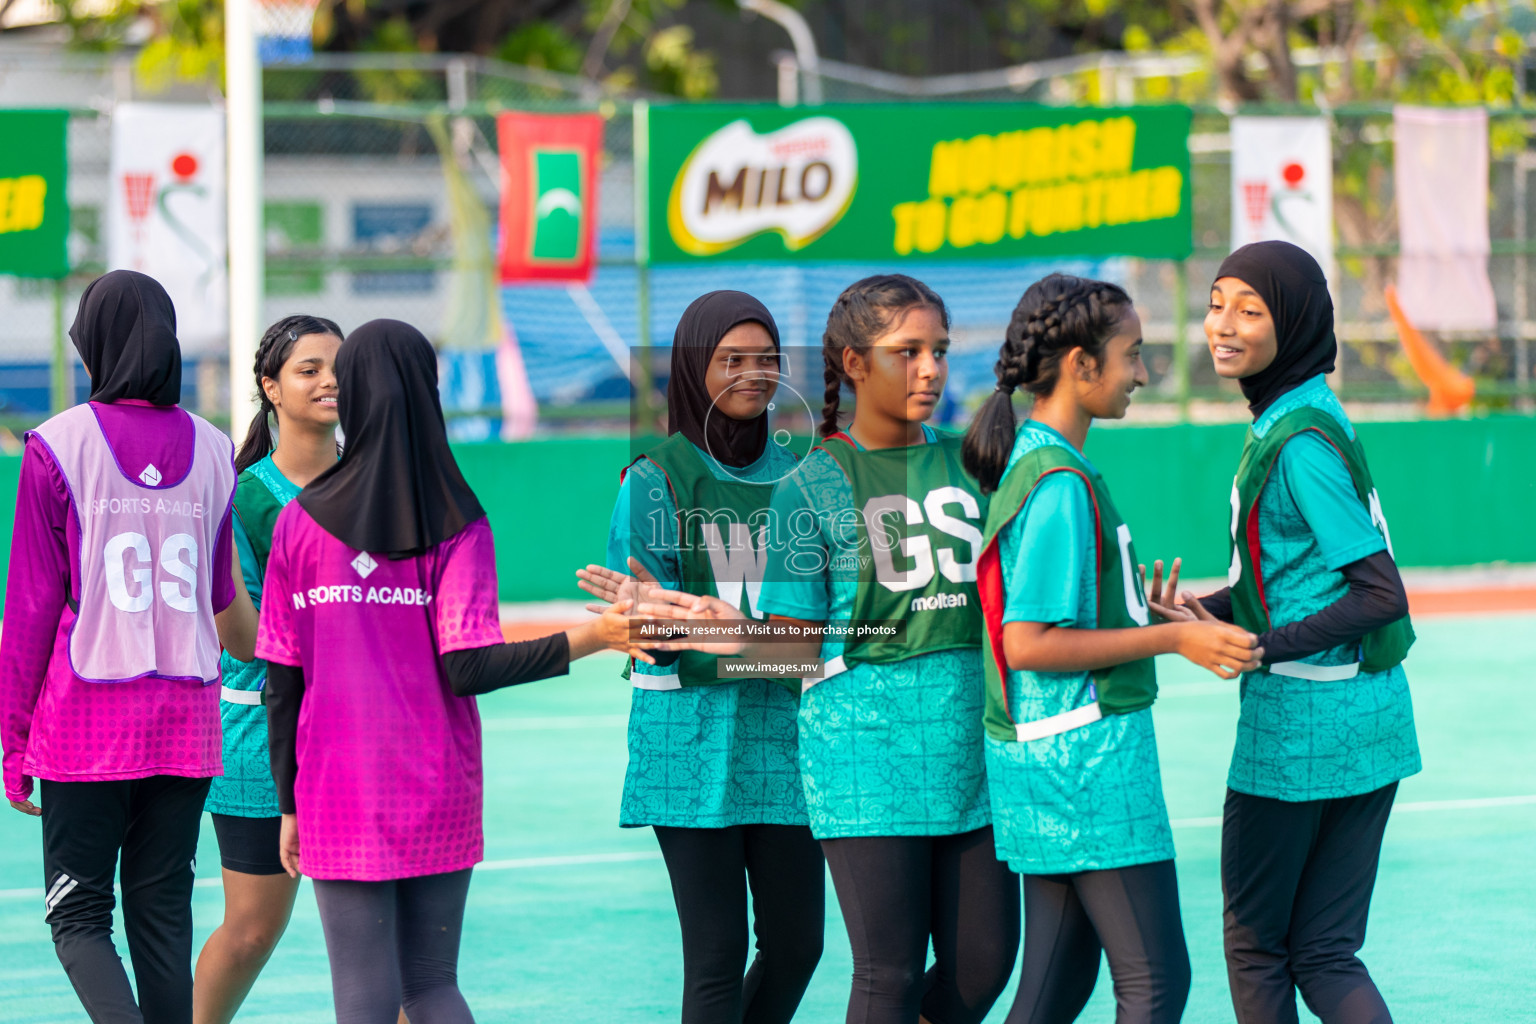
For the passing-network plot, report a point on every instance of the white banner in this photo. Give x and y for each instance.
(1282, 184)
(1441, 174)
(165, 214)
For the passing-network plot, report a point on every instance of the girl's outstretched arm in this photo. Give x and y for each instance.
(1375, 598)
(480, 670)
(1224, 649)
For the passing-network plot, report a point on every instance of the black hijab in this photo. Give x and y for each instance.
(707, 319)
(396, 487)
(1292, 285)
(125, 332)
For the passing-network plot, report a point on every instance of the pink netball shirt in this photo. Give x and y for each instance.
(95, 683)
(389, 780)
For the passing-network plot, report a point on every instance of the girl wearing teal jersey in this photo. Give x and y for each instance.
(712, 762)
(882, 523)
(296, 383)
(1326, 726)
(1077, 798)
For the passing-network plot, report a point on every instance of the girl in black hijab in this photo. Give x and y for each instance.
(125, 333)
(713, 762)
(396, 487)
(382, 616)
(123, 751)
(1326, 727)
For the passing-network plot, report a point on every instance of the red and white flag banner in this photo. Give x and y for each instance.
(1282, 183)
(165, 213)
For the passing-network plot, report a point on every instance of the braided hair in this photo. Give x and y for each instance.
(275, 348)
(1058, 313)
(865, 311)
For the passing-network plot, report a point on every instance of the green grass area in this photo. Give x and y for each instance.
(571, 919)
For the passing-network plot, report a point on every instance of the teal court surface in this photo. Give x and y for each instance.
(570, 918)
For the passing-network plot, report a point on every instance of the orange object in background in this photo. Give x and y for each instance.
(1450, 390)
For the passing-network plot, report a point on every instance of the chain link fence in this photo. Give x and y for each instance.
(358, 226)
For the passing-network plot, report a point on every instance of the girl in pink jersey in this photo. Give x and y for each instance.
(379, 624)
(296, 380)
(119, 596)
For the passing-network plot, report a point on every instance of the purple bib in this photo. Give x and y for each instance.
(146, 554)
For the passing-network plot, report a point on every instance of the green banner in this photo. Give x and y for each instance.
(930, 181)
(34, 201)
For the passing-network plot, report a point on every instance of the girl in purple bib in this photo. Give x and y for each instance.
(119, 596)
(379, 624)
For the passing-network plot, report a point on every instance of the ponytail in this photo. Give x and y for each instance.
(1056, 314)
(862, 313)
(273, 352)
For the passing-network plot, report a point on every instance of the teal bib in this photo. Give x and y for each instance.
(919, 519)
(722, 537)
(1380, 650)
(1119, 689)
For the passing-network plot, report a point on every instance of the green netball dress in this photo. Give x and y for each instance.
(1338, 723)
(703, 753)
(246, 790)
(891, 738)
(1083, 791)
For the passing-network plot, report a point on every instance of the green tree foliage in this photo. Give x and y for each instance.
(625, 44)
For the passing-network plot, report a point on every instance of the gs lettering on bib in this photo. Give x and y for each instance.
(919, 527)
(146, 553)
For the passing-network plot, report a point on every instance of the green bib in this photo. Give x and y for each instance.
(722, 538)
(1380, 650)
(919, 519)
(257, 508)
(1119, 689)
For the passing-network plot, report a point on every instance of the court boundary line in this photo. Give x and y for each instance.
(636, 856)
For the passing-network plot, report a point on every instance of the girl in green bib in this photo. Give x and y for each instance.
(880, 526)
(712, 761)
(1326, 726)
(1077, 798)
(296, 385)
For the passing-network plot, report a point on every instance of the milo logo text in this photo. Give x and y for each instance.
(797, 181)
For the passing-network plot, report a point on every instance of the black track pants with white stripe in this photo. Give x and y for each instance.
(153, 823)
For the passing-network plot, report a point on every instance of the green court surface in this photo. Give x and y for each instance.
(571, 922)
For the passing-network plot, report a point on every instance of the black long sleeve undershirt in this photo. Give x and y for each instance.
(472, 672)
(282, 694)
(1375, 598)
(483, 669)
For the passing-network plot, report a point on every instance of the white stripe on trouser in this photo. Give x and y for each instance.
(62, 887)
(1316, 673)
(1057, 724)
(240, 696)
(832, 667)
(58, 883)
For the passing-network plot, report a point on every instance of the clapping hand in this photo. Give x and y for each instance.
(1164, 600)
(679, 605)
(610, 587)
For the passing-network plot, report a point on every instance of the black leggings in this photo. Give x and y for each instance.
(897, 893)
(153, 824)
(711, 869)
(395, 945)
(1297, 878)
(1132, 916)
